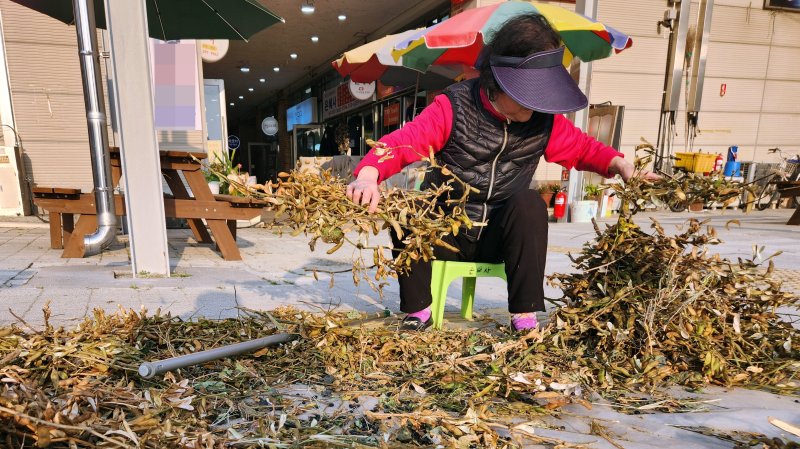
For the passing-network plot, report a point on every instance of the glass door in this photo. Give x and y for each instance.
(262, 159)
(361, 127)
(215, 115)
(306, 141)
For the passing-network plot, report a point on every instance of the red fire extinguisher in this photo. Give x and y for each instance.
(560, 207)
(718, 163)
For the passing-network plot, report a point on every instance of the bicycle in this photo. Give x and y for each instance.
(767, 192)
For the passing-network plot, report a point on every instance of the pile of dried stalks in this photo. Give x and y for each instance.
(646, 310)
(345, 383)
(350, 381)
(656, 309)
(651, 309)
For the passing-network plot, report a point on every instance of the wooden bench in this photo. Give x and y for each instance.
(790, 189)
(207, 215)
(61, 223)
(64, 205)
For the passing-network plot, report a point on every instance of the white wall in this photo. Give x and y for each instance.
(755, 52)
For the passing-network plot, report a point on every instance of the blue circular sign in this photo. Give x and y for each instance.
(233, 142)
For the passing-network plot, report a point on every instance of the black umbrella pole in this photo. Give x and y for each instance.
(150, 369)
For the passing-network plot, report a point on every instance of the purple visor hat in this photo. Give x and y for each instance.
(539, 81)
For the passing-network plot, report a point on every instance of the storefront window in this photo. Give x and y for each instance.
(390, 116)
(307, 140)
(369, 129)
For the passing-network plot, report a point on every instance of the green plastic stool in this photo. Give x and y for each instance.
(444, 272)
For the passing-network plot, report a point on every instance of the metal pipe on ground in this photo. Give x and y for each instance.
(98, 137)
(151, 369)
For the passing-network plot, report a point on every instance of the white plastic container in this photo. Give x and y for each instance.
(583, 211)
(214, 187)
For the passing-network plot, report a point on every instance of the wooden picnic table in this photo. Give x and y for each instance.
(790, 189)
(212, 218)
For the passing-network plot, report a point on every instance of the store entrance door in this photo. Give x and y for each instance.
(262, 158)
(216, 117)
(305, 141)
(361, 126)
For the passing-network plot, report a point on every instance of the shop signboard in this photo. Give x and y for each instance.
(212, 50)
(391, 114)
(362, 91)
(269, 126)
(384, 90)
(233, 142)
(176, 85)
(338, 100)
(302, 113)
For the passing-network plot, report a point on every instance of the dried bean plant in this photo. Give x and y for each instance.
(648, 308)
(680, 189)
(316, 205)
(644, 310)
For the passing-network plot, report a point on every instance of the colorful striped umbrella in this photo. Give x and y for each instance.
(368, 62)
(374, 61)
(459, 39)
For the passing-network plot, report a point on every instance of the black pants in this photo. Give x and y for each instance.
(516, 234)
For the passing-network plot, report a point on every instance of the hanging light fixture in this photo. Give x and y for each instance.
(307, 7)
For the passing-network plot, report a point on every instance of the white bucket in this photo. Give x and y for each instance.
(214, 187)
(583, 211)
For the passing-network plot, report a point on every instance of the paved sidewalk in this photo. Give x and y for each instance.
(276, 270)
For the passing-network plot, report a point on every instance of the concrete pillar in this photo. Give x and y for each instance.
(575, 188)
(141, 167)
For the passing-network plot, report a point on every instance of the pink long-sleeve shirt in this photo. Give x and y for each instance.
(568, 146)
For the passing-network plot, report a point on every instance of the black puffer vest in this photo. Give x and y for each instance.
(495, 157)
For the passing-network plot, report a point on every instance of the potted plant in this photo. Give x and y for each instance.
(545, 193)
(696, 205)
(221, 170)
(212, 180)
(554, 189)
(593, 192)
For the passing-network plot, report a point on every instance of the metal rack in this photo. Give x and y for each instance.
(760, 171)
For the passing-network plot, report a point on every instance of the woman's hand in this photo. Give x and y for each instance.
(624, 168)
(364, 190)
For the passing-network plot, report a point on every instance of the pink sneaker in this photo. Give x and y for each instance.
(523, 321)
(417, 321)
